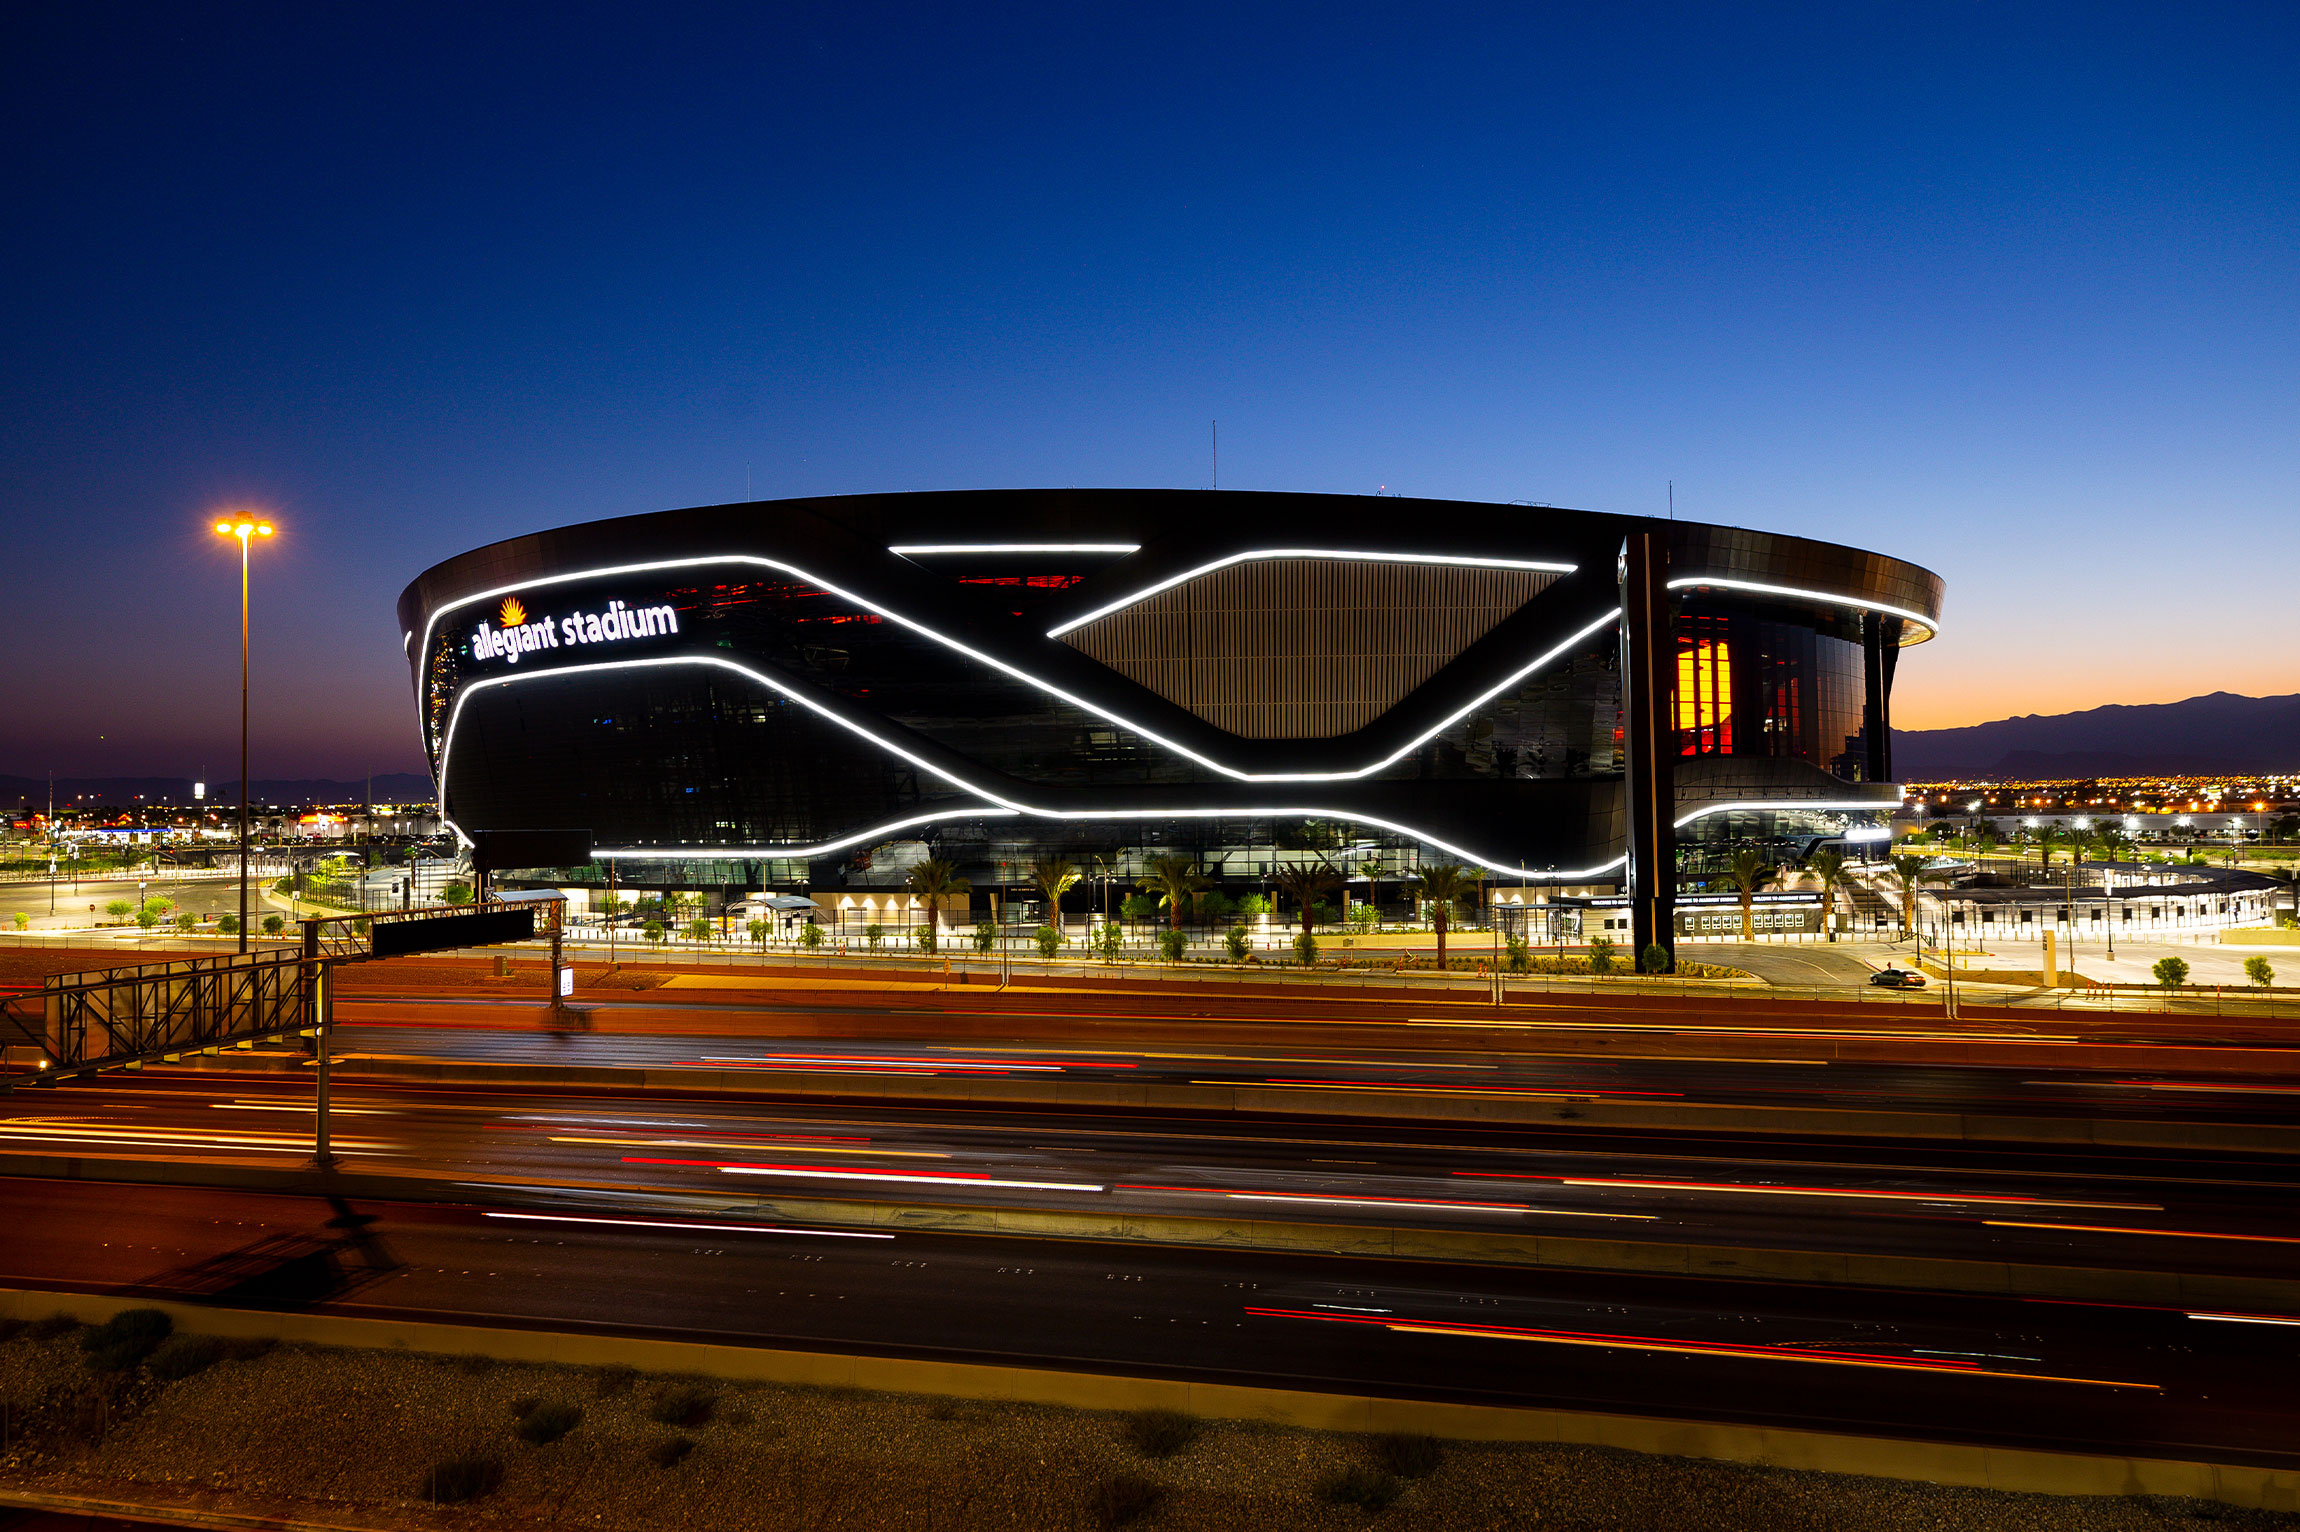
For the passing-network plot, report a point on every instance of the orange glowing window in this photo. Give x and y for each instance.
(1704, 696)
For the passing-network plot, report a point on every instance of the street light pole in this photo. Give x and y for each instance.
(246, 529)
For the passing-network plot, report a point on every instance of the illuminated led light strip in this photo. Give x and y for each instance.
(1932, 628)
(1024, 676)
(1187, 575)
(2248, 1319)
(1834, 805)
(874, 833)
(908, 549)
(709, 1228)
(1243, 811)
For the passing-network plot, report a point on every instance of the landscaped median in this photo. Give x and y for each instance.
(228, 1417)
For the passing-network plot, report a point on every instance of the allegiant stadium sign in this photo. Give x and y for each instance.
(520, 635)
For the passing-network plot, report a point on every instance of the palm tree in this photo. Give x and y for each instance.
(1053, 877)
(1372, 870)
(1749, 871)
(1908, 872)
(1308, 882)
(2047, 837)
(2113, 842)
(1827, 868)
(1443, 886)
(935, 880)
(1174, 879)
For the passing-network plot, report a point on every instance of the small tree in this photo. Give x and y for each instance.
(1234, 939)
(1252, 905)
(2171, 972)
(873, 934)
(928, 939)
(1110, 937)
(2258, 970)
(1443, 885)
(1654, 959)
(1517, 952)
(1049, 941)
(186, 920)
(23, 921)
(120, 909)
(1140, 909)
(1601, 954)
(147, 918)
(457, 893)
(652, 930)
(228, 924)
(1172, 944)
(274, 924)
(810, 936)
(1305, 949)
(758, 934)
(985, 935)
(1360, 918)
(700, 930)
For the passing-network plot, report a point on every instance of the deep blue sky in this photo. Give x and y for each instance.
(2009, 290)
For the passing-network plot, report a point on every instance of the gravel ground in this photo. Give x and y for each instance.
(349, 1437)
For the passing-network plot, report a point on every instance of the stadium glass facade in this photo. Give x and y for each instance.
(815, 694)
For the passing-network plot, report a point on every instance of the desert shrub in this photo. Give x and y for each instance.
(683, 1404)
(1235, 940)
(461, 1479)
(1601, 954)
(1172, 944)
(1109, 938)
(2171, 972)
(1654, 959)
(547, 1422)
(125, 1339)
(2259, 971)
(1125, 1498)
(927, 940)
(1367, 1488)
(1305, 949)
(273, 924)
(1049, 941)
(1517, 954)
(670, 1451)
(1160, 1433)
(810, 936)
(179, 1356)
(611, 1381)
(1408, 1456)
(228, 924)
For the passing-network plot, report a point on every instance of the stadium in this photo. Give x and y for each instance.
(810, 695)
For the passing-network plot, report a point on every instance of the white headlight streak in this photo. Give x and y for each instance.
(907, 549)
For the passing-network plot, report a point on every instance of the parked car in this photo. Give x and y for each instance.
(1897, 978)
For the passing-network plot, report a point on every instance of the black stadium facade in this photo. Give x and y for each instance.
(759, 695)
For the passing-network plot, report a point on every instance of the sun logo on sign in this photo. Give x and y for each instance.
(513, 613)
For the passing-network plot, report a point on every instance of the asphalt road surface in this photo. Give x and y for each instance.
(2086, 1207)
(2157, 1382)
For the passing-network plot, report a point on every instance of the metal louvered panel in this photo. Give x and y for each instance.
(1304, 648)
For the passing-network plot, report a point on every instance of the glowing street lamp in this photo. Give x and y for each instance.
(247, 529)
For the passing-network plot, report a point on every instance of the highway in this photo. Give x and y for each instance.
(2123, 1210)
(2160, 1382)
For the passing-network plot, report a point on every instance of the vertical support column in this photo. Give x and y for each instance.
(561, 981)
(1649, 740)
(1875, 680)
(319, 995)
